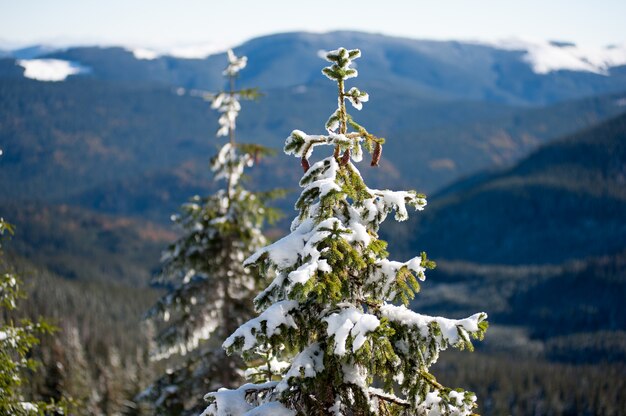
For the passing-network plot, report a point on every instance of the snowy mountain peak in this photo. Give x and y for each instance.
(197, 51)
(548, 56)
(143, 53)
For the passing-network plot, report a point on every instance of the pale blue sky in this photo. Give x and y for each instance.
(166, 23)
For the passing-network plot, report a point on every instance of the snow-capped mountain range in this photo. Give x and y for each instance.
(513, 71)
(541, 55)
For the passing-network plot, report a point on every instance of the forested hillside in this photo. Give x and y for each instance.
(566, 201)
(99, 356)
(79, 244)
(142, 150)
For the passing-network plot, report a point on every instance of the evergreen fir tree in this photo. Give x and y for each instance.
(329, 319)
(16, 342)
(211, 291)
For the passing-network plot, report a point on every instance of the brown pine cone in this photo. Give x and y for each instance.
(345, 158)
(305, 164)
(378, 150)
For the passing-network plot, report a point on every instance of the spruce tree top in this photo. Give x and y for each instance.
(210, 291)
(339, 343)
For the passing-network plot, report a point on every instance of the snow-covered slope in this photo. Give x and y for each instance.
(545, 57)
(144, 53)
(197, 51)
(50, 69)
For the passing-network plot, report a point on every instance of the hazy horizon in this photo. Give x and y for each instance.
(158, 24)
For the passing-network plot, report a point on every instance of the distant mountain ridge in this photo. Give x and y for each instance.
(141, 149)
(566, 201)
(519, 73)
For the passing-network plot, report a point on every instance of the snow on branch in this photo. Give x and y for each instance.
(239, 402)
(387, 201)
(390, 277)
(341, 60)
(350, 322)
(301, 144)
(357, 97)
(308, 363)
(267, 324)
(300, 244)
(455, 332)
(235, 64)
(229, 164)
(228, 105)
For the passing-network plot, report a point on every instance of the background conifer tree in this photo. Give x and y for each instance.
(210, 291)
(331, 311)
(16, 341)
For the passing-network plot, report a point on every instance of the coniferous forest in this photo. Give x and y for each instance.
(253, 233)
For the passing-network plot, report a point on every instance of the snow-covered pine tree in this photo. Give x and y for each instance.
(210, 290)
(16, 341)
(330, 315)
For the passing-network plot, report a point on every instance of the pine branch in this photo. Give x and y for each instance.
(390, 398)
